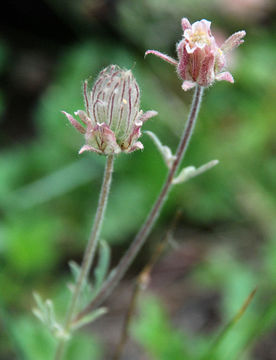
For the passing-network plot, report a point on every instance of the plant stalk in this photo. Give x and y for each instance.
(88, 254)
(117, 274)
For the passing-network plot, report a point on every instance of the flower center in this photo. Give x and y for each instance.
(199, 38)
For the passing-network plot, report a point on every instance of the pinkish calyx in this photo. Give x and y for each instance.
(113, 119)
(200, 60)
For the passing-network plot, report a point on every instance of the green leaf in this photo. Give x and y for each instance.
(102, 266)
(39, 301)
(89, 318)
(46, 314)
(75, 270)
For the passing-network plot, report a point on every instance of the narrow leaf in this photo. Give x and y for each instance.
(50, 313)
(191, 172)
(163, 149)
(89, 318)
(75, 269)
(38, 314)
(102, 266)
(39, 302)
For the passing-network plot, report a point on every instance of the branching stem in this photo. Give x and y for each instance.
(117, 274)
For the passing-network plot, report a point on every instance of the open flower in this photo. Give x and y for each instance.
(200, 60)
(113, 119)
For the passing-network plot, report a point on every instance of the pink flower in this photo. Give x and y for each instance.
(200, 60)
(113, 118)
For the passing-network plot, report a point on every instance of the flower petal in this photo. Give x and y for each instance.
(185, 24)
(205, 25)
(200, 28)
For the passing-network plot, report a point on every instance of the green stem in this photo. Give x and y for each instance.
(89, 253)
(139, 240)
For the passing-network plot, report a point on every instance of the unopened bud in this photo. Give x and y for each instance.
(113, 118)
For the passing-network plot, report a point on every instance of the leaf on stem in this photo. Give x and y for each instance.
(75, 270)
(46, 314)
(190, 172)
(102, 266)
(89, 290)
(165, 151)
(89, 318)
(86, 290)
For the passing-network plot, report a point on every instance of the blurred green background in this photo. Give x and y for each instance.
(226, 236)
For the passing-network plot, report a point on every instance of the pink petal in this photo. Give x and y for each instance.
(201, 26)
(205, 25)
(89, 148)
(187, 85)
(162, 56)
(185, 24)
(233, 41)
(226, 76)
(74, 122)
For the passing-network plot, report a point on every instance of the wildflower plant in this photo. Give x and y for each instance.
(112, 124)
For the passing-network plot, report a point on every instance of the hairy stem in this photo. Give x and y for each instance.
(88, 254)
(117, 274)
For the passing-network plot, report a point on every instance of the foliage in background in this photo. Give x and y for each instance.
(48, 193)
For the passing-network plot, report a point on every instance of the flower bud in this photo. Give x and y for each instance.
(113, 118)
(200, 60)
